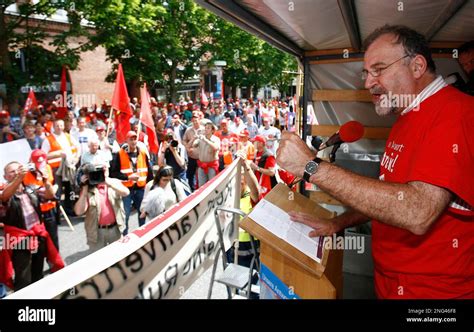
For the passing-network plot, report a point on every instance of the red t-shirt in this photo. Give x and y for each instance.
(435, 145)
(264, 181)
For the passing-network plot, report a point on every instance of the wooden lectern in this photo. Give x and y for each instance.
(308, 278)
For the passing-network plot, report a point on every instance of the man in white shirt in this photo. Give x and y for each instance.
(83, 134)
(271, 134)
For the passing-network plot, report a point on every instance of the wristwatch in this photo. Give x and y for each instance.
(311, 168)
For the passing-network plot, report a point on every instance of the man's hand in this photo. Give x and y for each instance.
(22, 170)
(321, 226)
(84, 179)
(293, 154)
(253, 166)
(241, 154)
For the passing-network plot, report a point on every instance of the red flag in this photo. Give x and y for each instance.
(30, 101)
(147, 120)
(62, 109)
(204, 99)
(121, 104)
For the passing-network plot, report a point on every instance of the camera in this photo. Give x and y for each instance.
(31, 167)
(174, 143)
(95, 173)
(97, 176)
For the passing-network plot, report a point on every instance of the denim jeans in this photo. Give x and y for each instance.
(135, 198)
(203, 177)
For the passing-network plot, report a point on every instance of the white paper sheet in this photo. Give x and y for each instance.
(277, 221)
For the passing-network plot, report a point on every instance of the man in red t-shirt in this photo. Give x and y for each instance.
(422, 209)
(264, 166)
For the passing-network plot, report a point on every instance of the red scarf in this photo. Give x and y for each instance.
(52, 254)
(205, 166)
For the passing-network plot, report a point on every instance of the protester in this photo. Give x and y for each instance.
(191, 133)
(131, 165)
(173, 191)
(24, 227)
(208, 153)
(38, 178)
(101, 199)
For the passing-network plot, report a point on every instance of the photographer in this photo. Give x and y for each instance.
(101, 200)
(39, 176)
(24, 227)
(173, 153)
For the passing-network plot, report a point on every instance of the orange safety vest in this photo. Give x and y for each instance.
(54, 146)
(31, 180)
(127, 168)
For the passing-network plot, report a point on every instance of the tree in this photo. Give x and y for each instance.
(251, 62)
(155, 43)
(23, 57)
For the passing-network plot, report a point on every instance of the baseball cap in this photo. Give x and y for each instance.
(224, 121)
(99, 128)
(259, 138)
(244, 132)
(4, 114)
(131, 133)
(38, 157)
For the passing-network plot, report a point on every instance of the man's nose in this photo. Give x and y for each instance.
(370, 81)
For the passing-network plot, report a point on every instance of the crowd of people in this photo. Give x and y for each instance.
(77, 168)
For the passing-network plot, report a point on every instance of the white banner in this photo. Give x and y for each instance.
(18, 150)
(159, 260)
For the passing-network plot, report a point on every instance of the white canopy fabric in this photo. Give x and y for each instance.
(309, 25)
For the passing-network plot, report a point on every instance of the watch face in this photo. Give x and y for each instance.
(311, 167)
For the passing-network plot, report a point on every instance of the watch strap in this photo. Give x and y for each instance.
(306, 175)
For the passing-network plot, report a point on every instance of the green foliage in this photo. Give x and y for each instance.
(22, 36)
(251, 62)
(155, 43)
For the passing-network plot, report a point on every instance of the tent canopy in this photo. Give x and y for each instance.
(300, 26)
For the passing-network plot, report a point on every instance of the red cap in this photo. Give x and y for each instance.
(99, 128)
(170, 105)
(131, 133)
(4, 114)
(244, 132)
(259, 138)
(38, 157)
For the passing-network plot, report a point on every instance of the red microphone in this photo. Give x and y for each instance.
(349, 132)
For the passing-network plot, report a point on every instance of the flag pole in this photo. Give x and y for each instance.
(110, 121)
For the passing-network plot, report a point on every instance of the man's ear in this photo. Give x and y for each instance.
(419, 66)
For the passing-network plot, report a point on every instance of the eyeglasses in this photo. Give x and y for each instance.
(376, 72)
